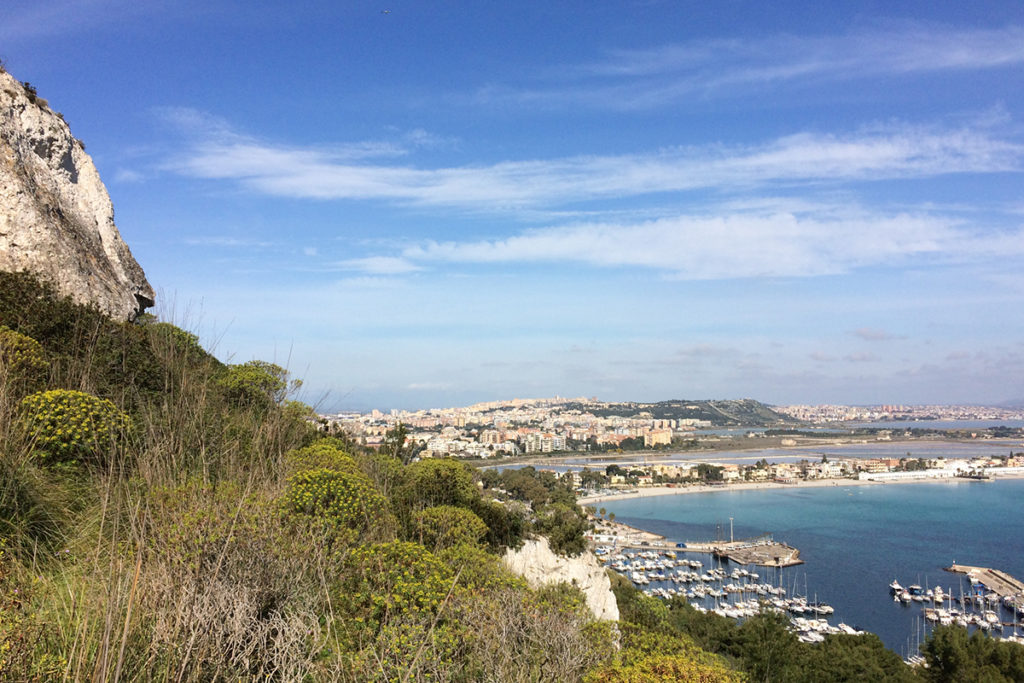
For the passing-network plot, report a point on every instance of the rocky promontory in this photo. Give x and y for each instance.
(56, 218)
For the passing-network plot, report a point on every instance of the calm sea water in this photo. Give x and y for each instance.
(856, 539)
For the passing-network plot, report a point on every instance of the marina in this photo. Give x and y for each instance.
(855, 540)
(708, 586)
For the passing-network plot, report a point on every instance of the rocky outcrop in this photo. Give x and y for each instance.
(56, 219)
(536, 562)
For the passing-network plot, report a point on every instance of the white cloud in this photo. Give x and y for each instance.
(124, 175)
(733, 246)
(346, 172)
(381, 265)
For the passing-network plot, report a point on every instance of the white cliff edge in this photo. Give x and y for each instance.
(536, 562)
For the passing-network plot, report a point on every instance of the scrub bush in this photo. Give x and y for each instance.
(440, 482)
(665, 668)
(384, 581)
(320, 455)
(71, 426)
(444, 526)
(224, 573)
(339, 499)
(257, 384)
(23, 364)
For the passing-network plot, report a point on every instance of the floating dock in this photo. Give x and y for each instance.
(995, 581)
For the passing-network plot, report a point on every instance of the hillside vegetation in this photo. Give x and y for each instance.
(166, 516)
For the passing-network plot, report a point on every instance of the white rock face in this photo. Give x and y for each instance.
(540, 566)
(56, 219)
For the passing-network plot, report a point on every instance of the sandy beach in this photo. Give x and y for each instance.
(748, 486)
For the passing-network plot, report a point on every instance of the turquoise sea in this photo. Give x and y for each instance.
(856, 539)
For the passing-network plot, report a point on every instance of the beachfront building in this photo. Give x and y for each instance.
(907, 476)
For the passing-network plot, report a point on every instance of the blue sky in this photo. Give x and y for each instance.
(419, 204)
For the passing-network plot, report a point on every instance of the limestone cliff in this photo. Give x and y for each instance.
(56, 219)
(536, 562)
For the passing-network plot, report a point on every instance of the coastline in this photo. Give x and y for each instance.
(750, 486)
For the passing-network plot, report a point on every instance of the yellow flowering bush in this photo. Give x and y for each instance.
(384, 581)
(23, 365)
(322, 454)
(71, 426)
(409, 648)
(444, 526)
(654, 668)
(339, 498)
(478, 570)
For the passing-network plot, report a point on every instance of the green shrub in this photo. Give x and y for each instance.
(667, 668)
(257, 384)
(444, 526)
(339, 499)
(411, 647)
(478, 570)
(71, 426)
(23, 364)
(86, 348)
(165, 336)
(386, 472)
(439, 482)
(320, 455)
(21, 630)
(385, 581)
(564, 526)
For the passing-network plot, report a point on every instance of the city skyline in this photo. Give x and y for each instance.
(413, 206)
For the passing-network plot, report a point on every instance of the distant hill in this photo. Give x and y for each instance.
(745, 412)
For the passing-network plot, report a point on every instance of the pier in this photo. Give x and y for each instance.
(995, 581)
(763, 551)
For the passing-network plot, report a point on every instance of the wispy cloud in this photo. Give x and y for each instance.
(381, 265)
(637, 79)
(351, 172)
(124, 175)
(737, 246)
